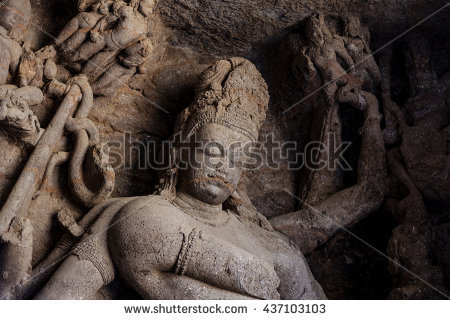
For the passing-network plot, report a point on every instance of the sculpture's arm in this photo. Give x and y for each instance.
(224, 265)
(80, 279)
(341, 51)
(311, 227)
(187, 252)
(75, 279)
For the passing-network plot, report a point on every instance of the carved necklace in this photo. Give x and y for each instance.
(210, 215)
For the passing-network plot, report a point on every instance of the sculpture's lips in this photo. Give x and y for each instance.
(215, 180)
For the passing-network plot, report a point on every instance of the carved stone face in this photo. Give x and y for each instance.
(9, 18)
(218, 164)
(14, 17)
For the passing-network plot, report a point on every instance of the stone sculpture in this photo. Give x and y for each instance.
(103, 31)
(37, 69)
(182, 244)
(14, 19)
(199, 236)
(15, 115)
(129, 62)
(329, 84)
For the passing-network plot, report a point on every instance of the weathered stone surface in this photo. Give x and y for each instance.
(187, 37)
(237, 27)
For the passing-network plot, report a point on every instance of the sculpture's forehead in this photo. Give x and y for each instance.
(215, 132)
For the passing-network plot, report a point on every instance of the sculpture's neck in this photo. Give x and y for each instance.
(199, 208)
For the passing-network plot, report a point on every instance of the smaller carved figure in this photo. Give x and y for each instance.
(77, 30)
(357, 39)
(130, 61)
(415, 132)
(325, 68)
(422, 124)
(107, 43)
(323, 49)
(14, 18)
(129, 27)
(410, 245)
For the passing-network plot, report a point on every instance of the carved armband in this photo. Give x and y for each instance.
(89, 249)
(186, 251)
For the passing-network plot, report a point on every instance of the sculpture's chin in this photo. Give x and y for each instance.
(216, 194)
(212, 191)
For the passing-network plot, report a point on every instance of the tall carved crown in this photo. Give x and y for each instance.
(231, 93)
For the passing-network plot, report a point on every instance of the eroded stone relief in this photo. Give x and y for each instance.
(199, 236)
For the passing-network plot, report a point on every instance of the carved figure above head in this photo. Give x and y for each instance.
(128, 63)
(89, 33)
(107, 43)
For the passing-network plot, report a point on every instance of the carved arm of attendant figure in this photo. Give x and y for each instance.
(311, 227)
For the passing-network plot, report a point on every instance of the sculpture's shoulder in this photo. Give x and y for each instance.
(149, 212)
(148, 206)
(145, 230)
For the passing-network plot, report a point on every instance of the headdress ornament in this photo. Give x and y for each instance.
(231, 93)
